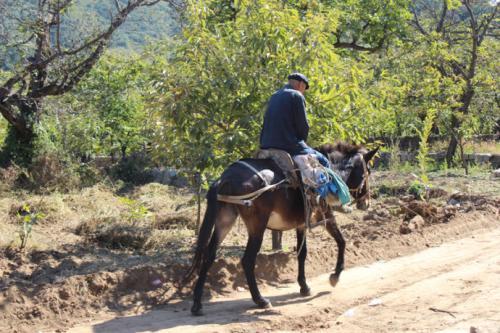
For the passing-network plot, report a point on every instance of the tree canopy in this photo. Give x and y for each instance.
(195, 100)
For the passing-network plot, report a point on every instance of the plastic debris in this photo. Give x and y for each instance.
(349, 313)
(375, 302)
(156, 282)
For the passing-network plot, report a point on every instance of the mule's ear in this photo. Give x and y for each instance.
(369, 155)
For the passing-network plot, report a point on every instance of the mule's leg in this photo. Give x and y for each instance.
(248, 261)
(302, 254)
(226, 216)
(333, 230)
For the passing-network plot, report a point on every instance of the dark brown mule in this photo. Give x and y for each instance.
(281, 209)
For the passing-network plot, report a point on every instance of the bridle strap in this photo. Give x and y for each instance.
(355, 192)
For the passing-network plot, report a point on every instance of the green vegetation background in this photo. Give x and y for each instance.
(193, 98)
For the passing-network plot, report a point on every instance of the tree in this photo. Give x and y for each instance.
(362, 25)
(112, 93)
(54, 65)
(455, 32)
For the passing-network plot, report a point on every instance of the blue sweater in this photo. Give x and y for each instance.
(285, 122)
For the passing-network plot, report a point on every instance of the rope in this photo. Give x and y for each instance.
(257, 172)
(246, 199)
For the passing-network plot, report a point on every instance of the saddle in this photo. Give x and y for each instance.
(285, 162)
(299, 171)
(307, 167)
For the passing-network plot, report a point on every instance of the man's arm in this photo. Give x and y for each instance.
(300, 117)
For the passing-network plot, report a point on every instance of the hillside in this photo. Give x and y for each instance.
(144, 25)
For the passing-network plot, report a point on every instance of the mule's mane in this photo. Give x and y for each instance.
(342, 147)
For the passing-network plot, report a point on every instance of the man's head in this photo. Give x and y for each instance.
(298, 82)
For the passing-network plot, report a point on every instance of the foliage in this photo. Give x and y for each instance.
(195, 102)
(27, 219)
(112, 95)
(53, 53)
(423, 151)
(135, 213)
(418, 189)
(219, 76)
(454, 35)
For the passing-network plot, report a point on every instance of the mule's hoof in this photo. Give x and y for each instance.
(334, 279)
(196, 310)
(264, 303)
(305, 291)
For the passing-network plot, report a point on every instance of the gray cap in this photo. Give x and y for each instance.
(299, 77)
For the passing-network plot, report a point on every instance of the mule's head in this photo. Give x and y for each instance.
(351, 163)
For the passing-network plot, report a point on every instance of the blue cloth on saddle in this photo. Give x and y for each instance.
(335, 185)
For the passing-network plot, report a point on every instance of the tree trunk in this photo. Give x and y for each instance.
(462, 157)
(465, 99)
(450, 153)
(277, 237)
(198, 202)
(23, 116)
(18, 147)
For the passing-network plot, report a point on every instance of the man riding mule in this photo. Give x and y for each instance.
(286, 129)
(259, 192)
(285, 122)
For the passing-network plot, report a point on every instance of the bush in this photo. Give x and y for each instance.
(49, 173)
(417, 189)
(8, 177)
(134, 169)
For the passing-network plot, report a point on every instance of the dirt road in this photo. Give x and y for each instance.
(449, 288)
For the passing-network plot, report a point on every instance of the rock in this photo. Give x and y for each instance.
(482, 158)
(416, 223)
(438, 157)
(495, 161)
(436, 192)
(407, 198)
(96, 284)
(369, 216)
(450, 211)
(405, 228)
(473, 330)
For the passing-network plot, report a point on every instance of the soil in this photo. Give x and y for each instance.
(456, 234)
(450, 288)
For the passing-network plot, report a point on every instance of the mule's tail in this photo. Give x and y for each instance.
(206, 229)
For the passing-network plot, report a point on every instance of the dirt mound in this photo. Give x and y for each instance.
(431, 213)
(115, 236)
(36, 289)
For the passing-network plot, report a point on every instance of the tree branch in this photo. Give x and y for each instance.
(471, 14)
(440, 24)
(483, 27)
(416, 22)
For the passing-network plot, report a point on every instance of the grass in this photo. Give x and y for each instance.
(156, 217)
(149, 217)
(470, 147)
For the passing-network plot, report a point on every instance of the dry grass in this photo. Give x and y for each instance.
(492, 147)
(148, 218)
